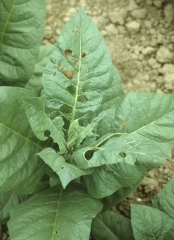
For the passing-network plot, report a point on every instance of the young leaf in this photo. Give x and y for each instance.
(150, 223)
(20, 167)
(55, 214)
(112, 226)
(20, 39)
(35, 82)
(66, 171)
(79, 71)
(165, 199)
(40, 122)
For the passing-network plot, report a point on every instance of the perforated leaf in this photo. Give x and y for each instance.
(22, 26)
(79, 70)
(55, 214)
(20, 167)
(40, 122)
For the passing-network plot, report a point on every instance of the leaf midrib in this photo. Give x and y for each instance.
(22, 136)
(8, 18)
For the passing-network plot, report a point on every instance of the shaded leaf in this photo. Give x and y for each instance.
(106, 180)
(112, 226)
(7, 201)
(22, 27)
(35, 82)
(55, 214)
(20, 167)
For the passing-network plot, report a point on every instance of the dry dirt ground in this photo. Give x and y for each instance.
(140, 37)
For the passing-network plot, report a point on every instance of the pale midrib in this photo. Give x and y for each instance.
(18, 134)
(78, 82)
(56, 214)
(153, 122)
(6, 24)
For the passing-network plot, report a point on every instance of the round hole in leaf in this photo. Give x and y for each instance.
(68, 53)
(83, 55)
(54, 74)
(47, 133)
(89, 154)
(122, 154)
(62, 168)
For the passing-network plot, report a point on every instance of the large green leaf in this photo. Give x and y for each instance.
(22, 26)
(165, 199)
(35, 81)
(149, 119)
(66, 171)
(20, 167)
(55, 214)
(150, 223)
(79, 71)
(112, 226)
(40, 122)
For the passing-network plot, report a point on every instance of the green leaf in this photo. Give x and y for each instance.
(7, 201)
(150, 223)
(165, 199)
(55, 214)
(22, 26)
(20, 167)
(66, 171)
(40, 122)
(106, 180)
(112, 226)
(79, 71)
(35, 81)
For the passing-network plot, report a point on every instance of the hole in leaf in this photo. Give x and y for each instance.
(59, 64)
(47, 133)
(68, 54)
(122, 154)
(72, 32)
(82, 98)
(83, 55)
(89, 154)
(54, 74)
(62, 167)
(71, 89)
(56, 232)
(68, 73)
(65, 109)
(76, 63)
